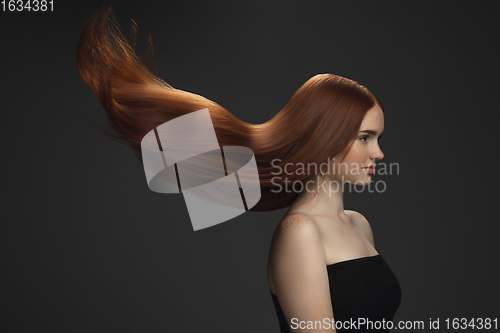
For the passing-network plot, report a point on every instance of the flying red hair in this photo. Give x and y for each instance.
(320, 121)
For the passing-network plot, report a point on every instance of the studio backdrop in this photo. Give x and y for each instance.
(88, 246)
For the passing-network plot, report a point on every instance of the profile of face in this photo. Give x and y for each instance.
(358, 165)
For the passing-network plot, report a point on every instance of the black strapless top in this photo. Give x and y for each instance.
(363, 287)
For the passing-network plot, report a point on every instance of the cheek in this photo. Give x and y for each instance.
(356, 155)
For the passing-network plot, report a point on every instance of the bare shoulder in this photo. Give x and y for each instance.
(297, 272)
(297, 224)
(358, 218)
(362, 224)
(297, 258)
(295, 235)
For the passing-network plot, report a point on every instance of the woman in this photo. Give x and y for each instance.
(322, 263)
(322, 254)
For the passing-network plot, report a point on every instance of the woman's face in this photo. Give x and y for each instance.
(357, 166)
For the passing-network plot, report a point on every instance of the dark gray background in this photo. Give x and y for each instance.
(87, 247)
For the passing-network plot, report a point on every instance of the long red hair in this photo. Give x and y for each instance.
(320, 121)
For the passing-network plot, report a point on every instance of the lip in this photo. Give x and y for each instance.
(370, 168)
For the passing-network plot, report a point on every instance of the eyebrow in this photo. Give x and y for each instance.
(371, 132)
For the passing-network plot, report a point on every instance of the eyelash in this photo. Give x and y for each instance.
(364, 137)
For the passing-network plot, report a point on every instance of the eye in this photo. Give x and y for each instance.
(364, 138)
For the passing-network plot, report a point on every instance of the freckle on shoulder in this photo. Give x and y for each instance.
(297, 223)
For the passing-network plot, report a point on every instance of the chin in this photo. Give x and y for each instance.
(365, 181)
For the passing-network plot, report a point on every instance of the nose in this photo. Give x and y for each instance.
(376, 153)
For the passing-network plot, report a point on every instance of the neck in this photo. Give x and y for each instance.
(322, 196)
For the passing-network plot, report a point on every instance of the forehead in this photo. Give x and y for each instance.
(373, 120)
